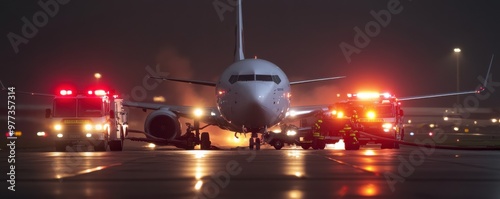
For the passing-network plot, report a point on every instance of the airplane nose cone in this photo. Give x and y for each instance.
(254, 102)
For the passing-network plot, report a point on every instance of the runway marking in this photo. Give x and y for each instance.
(353, 166)
(86, 171)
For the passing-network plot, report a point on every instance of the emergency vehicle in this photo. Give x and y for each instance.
(379, 114)
(93, 118)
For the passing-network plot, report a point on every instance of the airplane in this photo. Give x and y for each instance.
(252, 96)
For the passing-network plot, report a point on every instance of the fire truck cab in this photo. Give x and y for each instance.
(91, 118)
(379, 114)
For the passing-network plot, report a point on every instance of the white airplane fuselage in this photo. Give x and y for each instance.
(253, 94)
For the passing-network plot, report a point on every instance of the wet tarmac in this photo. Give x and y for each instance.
(409, 172)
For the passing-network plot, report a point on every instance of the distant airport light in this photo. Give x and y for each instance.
(412, 134)
(430, 133)
(88, 135)
(151, 145)
(456, 128)
(445, 118)
(475, 122)
(40, 134)
(457, 50)
(409, 121)
(494, 120)
(59, 135)
(159, 99)
(97, 75)
(432, 125)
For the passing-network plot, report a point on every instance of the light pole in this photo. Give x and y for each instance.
(457, 52)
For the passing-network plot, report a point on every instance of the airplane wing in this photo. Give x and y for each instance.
(478, 90)
(438, 95)
(208, 115)
(28, 93)
(315, 80)
(199, 82)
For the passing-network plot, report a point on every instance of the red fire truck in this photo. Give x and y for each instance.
(93, 118)
(379, 114)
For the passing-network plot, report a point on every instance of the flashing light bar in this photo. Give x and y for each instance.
(66, 92)
(369, 95)
(100, 92)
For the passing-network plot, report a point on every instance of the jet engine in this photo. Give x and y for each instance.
(163, 123)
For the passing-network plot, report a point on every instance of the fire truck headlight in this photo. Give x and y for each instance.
(370, 114)
(98, 127)
(88, 127)
(387, 127)
(340, 114)
(57, 127)
(59, 135)
(291, 133)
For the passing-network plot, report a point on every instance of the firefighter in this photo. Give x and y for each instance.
(350, 131)
(318, 137)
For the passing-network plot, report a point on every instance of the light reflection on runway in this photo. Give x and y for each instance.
(294, 173)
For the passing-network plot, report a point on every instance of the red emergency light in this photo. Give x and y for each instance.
(66, 92)
(99, 92)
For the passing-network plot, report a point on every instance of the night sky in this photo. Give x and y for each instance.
(412, 55)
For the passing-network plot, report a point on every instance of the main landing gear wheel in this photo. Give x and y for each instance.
(254, 143)
(205, 141)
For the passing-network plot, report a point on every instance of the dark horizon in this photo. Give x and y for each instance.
(412, 55)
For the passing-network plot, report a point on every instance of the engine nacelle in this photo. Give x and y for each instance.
(163, 124)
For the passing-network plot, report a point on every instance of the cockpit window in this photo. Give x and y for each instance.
(246, 77)
(233, 79)
(267, 78)
(252, 77)
(276, 79)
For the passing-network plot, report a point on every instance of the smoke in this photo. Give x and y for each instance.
(177, 93)
(323, 93)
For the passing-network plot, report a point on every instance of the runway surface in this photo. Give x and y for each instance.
(409, 172)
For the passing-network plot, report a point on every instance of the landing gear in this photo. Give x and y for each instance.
(205, 141)
(254, 141)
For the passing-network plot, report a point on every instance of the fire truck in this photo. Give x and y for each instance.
(92, 118)
(371, 113)
(379, 114)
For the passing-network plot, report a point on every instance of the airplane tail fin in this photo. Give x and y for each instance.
(238, 51)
